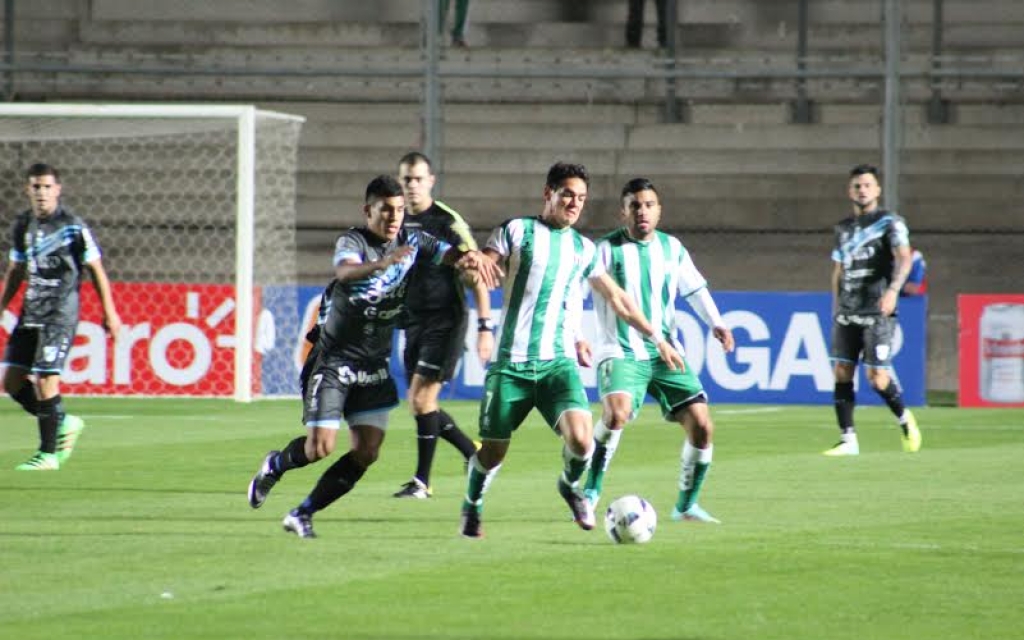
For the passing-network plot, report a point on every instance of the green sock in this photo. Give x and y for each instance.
(574, 465)
(606, 442)
(694, 465)
(478, 481)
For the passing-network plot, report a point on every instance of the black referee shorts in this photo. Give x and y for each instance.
(434, 342)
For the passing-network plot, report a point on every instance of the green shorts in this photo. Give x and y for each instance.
(673, 389)
(512, 389)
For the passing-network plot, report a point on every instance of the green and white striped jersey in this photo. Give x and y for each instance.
(542, 266)
(653, 273)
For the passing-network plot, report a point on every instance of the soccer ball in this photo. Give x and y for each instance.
(630, 520)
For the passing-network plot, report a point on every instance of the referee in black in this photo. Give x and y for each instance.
(436, 322)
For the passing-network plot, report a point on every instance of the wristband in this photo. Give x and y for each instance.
(657, 338)
(484, 324)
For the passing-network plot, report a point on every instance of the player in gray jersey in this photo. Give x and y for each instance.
(871, 261)
(350, 379)
(51, 247)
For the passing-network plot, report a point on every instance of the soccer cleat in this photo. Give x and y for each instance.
(40, 462)
(582, 510)
(70, 429)
(843, 449)
(694, 514)
(414, 489)
(593, 496)
(912, 437)
(299, 523)
(262, 482)
(472, 527)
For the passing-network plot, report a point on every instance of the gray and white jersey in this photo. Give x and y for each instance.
(864, 247)
(363, 313)
(54, 250)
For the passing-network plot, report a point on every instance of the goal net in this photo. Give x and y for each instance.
(194, 209)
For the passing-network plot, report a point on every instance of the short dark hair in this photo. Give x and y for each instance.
(40, 169)
(636, 185)
(415, 157)
(864, 169)
(383, 186)
(562, 171)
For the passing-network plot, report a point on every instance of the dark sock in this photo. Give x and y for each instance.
(49, 415)
(844, 401)
(26, 397)
(338, 480)
(457, 437)
(893, 397)
(428, 425)
(291, 457)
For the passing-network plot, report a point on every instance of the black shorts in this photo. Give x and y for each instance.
(434, 343)
(363, 393)
(40, 349)
(863, 338)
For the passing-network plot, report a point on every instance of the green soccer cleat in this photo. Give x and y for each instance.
(694, 514)
(593, 496)
(912, 435)
(67, 436)
(40, 462)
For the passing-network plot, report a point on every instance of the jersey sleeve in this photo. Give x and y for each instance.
(18, 251)
(594, 266)
(90, 248)
(349, 247)
(430, 248)
(899, 235)
(690, 279)
(502, 239)
(837, 254)
(459, 233)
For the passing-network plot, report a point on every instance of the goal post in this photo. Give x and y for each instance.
(194, 207)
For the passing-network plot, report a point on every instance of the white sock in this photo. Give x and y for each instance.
(608, 437)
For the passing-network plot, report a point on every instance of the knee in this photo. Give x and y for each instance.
(617, 418)
(703, 433)
(318, 449)
(366, 456)
(879, 380)
(418, 405)
(488, 456)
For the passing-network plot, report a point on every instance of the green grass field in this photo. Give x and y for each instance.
(146, 533)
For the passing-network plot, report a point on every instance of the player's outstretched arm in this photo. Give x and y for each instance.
(350, 269)
(704, 305)
(485, 325)
(626, 308)
(111, 319)
(480, 262)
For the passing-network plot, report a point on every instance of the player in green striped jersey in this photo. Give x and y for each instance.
(654, 268)
(546, 262)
